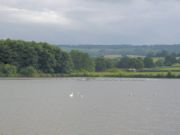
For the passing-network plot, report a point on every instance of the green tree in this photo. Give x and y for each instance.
(63, 62)
(136, 63)
(102, 64)
(46, 61)
(5, 54)
(159, 63)
(82, 61)
(169, 60)
(148, 62)
(127, 62)
(124, 62)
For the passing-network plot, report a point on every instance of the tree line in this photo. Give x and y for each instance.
(31, 58)
(17, 56)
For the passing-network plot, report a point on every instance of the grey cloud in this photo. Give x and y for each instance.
(112, 1)
(91, 21)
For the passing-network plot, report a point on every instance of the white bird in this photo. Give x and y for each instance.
(71, 95)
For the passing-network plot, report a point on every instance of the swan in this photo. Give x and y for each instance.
(79, 95)
(71, 95)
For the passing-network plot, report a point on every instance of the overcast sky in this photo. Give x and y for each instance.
(91, 21)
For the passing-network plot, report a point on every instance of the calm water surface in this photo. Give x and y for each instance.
(81, 106)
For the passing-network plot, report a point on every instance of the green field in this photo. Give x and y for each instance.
(127, 74)
(145, 73)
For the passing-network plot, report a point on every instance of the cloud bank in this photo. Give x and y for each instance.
(91, 21)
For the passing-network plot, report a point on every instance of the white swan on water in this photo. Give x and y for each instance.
(79, 95)
(71, 95)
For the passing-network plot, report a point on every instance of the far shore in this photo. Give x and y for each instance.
(106, 74)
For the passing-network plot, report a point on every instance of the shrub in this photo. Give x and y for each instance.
(29, 71)
(8, 70)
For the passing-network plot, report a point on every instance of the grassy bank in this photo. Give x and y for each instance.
(127, 74)
(145, 73)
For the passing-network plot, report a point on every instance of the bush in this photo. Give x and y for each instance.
(169, 74)
(29, 71)
(8, 70)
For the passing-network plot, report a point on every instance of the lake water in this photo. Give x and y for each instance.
(90, 106)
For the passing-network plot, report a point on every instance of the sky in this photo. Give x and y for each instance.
(91, 21)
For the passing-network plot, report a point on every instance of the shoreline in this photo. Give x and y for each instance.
(53, 76)
(83, 79)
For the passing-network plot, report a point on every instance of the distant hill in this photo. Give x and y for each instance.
(140, 50)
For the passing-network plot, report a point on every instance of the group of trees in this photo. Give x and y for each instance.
(135, 63)
(127, 62)
(169, 58)
(82, 61)
(31, 58)
(147, 62)
(27, 58)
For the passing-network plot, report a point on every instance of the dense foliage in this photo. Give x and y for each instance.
(82, 61)
(148, 62)
(22, 58)
(31, 57)
(102, 64)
